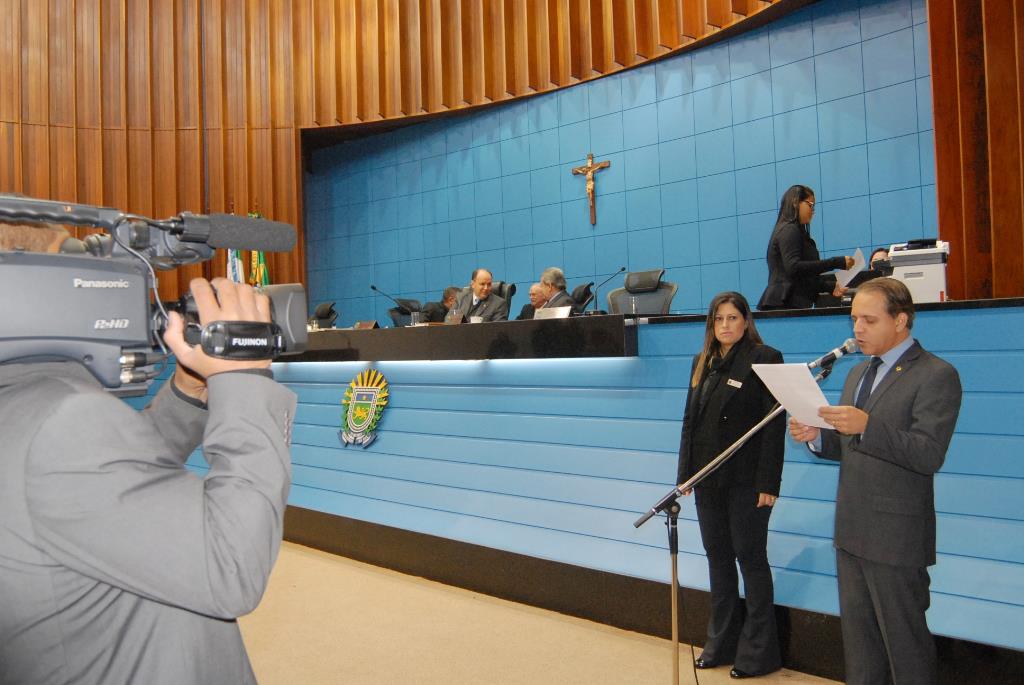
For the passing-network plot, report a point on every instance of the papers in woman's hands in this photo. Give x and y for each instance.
(844, 276)
(794, 387)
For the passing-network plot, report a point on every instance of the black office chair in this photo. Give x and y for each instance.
(644, 293)
(324, 315)
(505, 291)
(402, 314)
(582, 296)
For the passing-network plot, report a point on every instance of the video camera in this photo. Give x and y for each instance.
(91, 302)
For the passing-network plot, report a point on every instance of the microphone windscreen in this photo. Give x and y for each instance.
(245, 233)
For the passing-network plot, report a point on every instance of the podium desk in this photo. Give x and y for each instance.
(576, 337)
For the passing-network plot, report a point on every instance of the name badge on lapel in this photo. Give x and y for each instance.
(734, 383)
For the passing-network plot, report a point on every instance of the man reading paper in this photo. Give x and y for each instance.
(890, 434)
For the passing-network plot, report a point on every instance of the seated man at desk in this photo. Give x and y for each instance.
(538, 296)
(436, 311)
(478, 301)
(553, 282)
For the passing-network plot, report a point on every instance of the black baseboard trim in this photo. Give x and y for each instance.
(811, 642)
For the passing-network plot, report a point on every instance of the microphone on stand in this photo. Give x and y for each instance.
(605, 281)
(404, 306)
(848, 347)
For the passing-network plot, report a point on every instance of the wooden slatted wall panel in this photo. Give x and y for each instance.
(257, 86)
(105, 101)
(977, 81)
(1003, 61)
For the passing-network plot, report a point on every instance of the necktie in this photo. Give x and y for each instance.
(869, 380)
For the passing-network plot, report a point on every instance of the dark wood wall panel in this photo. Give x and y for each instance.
(1002, 62)
(158, 106)
(89, 165)
(10, 156)
(62, 149)
(115, 165)
(88, 83)
(10, 61)
(977, 73)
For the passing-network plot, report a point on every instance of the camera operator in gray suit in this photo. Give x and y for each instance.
(890, 434)
(119, 564)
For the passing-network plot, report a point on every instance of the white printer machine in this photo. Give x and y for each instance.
(921, 265)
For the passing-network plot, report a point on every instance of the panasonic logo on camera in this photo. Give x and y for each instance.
(249, 342)
(86, 283)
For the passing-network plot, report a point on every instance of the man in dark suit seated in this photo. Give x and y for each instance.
(478, 301)
(538, 297)
(435, 312)
(553, 282)
(890, 434)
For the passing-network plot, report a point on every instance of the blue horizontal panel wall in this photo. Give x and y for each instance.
(621, 464)
(555, 487)
(556, 458)
(539, 373)
(624, 432)
(653, 404)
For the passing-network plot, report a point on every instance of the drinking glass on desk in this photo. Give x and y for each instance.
(633, 304)
(415, 318)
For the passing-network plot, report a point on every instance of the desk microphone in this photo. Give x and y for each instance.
(848, 347)
(402, 308)
(621, 269)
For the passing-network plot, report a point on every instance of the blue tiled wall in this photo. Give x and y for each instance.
(702, 145)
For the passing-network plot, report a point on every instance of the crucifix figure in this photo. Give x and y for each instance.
(590, 169)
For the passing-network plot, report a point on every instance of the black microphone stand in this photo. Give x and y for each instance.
(670, 505)
(595, 310)
(403, 308)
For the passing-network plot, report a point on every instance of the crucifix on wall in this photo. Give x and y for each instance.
(590, 169)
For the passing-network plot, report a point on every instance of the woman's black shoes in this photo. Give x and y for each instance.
(701, 662)
(737, 673)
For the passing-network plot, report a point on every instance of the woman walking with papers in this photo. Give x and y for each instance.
(725, 400)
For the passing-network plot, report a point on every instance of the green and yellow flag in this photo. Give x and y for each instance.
(258, 272)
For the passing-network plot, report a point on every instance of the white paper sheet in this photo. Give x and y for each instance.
(553, 312)
(794, 387)
(844, 276)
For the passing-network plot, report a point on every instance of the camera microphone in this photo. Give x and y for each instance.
(215, 230)
(234, 232)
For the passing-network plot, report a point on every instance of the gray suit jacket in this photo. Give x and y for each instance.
(492, 309)
(885, 507)
(560, 299)
(119, 564)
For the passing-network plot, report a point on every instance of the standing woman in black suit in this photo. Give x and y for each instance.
(795, 267)
(725, 400)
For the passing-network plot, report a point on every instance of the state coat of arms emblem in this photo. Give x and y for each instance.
(362, 408)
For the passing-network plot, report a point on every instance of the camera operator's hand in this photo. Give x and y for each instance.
(232, 302)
